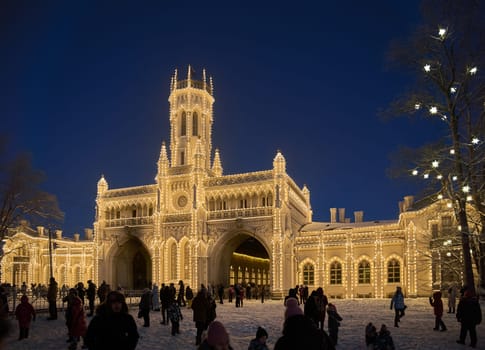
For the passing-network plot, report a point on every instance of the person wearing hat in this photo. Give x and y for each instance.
(300, 331)
(91, 294)
(259, 343)
(217, 338)
(144, 307)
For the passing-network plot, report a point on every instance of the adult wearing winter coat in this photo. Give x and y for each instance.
(311, 308)
(52, 298)
(333, 322)
(155, 298)
(181, 295)
(77, 322)
(112, 327)
(397, 302)
(437, 304)
(24, 313)
(451, 299)
(469, 315)
(189, 295)
(165, 299)
(91, 294)
(145, 306)
(201, 308)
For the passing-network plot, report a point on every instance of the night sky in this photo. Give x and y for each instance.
(84, 88)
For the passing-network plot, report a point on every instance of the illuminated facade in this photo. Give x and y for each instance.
(200, 226)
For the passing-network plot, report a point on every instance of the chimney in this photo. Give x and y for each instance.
(341, 215)
(88, 234)
(359, 216)
(333, 215)
(401, 207)
(76, 237)
(40, 230)
(408, 202)
(59, 234)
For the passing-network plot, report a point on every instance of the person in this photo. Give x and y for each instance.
(52, 299)
(103, 291)
(311, 308)
(4, 309)
(144, 307)
(370, 336)
(451, 299)
(259, 343)
(437, 304)
(220, 292)
(217, 338)
(181, 295)
(201, 308)
(230, 293)
(155, 298)
(91, 294)
(175, 316)
(69, 299)
(384, 340)
(24, 313)
(300, 332)
(112, 327)
(333, 322)
(189, 295)
(165, 299)
(81, 291)
(76, 324)
(398, 302)
(322, 303)
(469, 315)
(262, 294)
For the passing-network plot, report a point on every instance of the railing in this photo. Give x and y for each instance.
(145, 220)
(240, 212)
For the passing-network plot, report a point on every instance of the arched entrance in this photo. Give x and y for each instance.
(242, 259)
(132, 268)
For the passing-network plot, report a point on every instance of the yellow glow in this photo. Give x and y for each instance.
(449, 205)
(440, 196)
(469, 198)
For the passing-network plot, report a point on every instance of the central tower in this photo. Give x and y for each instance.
(191, 118)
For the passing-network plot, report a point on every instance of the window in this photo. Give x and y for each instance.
(182, 158)
(364, 272)
(446, 221)
(183, 124)
(133, 213)
(173, 261)
(308, 274)
(186, 261)
(150, 211)
(336, 273)
(434, 230)
(195, 124)
(393, 271)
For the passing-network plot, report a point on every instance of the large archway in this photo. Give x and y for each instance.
(241, 259)
(132, 267)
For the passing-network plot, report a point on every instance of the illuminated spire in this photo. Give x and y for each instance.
(102, 185)
(279, 163)
(217, 166)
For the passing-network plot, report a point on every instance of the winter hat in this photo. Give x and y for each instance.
(217, 334)
(292, 308)
(261, 332)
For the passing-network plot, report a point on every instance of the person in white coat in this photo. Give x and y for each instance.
(155, 298)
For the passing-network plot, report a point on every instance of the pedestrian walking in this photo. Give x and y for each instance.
(437, 304)
(469, 314)
(451, 299)
(334, 320)
(175, 316)
(144, 307)
(397, 302)
(24, 313)
(52, 299)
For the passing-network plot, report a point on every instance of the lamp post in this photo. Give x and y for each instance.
(50, 253)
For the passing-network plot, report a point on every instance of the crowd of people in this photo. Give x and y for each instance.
(305, 314)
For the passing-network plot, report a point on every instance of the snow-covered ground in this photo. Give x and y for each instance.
(415, 331)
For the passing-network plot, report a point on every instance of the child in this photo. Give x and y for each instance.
(437, 305)
(370, 336)
(175, 316)
(259, 343)
(333, 322)
(24, 313)
(384, 340)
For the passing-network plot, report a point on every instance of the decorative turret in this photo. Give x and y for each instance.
(198, 156)
(102, 185)
(306, 193)
(216, 165)
(163, 163)
(191, 117)
(279, 163)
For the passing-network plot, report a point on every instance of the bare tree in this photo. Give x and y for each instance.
(21, 198)
(446, 55)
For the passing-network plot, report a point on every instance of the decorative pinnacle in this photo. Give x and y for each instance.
(189, 73)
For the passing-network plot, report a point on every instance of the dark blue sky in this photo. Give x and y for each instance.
(84, 88)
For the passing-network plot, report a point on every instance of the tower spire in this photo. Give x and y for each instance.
(217, 166)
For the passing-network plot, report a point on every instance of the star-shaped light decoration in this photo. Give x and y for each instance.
(453, 89)
(475, 141)
(417, 106)
(442, 32)
(433, 110)
(427, 68)
(466, 189)
(426, 176)
(454, 178)
(473, 70)
(452, 151)
(435, 163)
(415, 172)
(439, 177)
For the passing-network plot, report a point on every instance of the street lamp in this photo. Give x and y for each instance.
(50, 254)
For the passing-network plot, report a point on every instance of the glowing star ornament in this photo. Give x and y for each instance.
(435, 164)
(466, 189)
(440, 196)
(473, 71)
(475, 141)
(469, 198)
(414, 172)
(417, 106)
(426, 176)
(427, 68)
(454, 178)
(452, 151)
(433, 110)
(453, 90)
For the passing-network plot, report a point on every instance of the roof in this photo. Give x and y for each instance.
(329, 226)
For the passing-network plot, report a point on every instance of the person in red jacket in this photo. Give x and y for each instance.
(437, 305)
(24, 313)
(76, 324)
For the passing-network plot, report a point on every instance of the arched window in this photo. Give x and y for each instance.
(364, 272)
(335, 273)
(308, 274)
(393, 271)
(173, 261)
(195, 124)
(231, 276)
(183, 124)
(186, 261)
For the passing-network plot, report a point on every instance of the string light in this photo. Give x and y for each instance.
(426, 176)
(453, 89)
(439, 177)
(449, 205)
(454, 178)
(475, 141)
(440, 196)
(466, 189)
(417, 106)
(415, 172)
(433, 110)
(452, 151)
(469, 198)
(442, 32)
(473, 70)
(435, 163)
(427, 68)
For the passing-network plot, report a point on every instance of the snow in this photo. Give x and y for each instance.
(415, 331)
